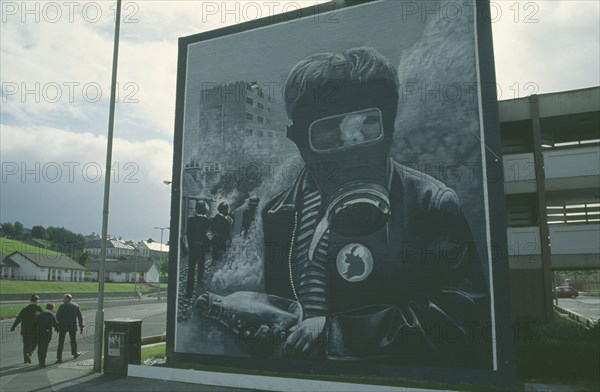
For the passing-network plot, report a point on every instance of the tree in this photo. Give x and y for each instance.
(163, 266)
(38, 232)
(65, 240)
(6, 229)
(18, 230)
(150, 240)
(83, 258)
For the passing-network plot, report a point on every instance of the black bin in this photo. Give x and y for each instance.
(122, 344)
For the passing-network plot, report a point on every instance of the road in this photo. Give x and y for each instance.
(588, 307)
(11, 352)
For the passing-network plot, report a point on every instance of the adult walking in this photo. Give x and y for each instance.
(68, 316)
(26, 318)
(44, 323)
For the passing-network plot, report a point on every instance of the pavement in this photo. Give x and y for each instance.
(79, 376)
(72, 376)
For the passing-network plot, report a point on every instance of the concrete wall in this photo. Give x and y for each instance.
(572, 246)
(519, 167)
(572, 168)
(575, 239)
(569, 102)
(527, 293)
(572, 162)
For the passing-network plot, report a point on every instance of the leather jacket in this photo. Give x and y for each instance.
(426, 300)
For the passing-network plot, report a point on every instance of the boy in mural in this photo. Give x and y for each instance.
(379, 256)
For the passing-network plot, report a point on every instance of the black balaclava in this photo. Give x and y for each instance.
(353, 181)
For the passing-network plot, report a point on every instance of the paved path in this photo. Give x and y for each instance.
(14, 373)
(77, 375)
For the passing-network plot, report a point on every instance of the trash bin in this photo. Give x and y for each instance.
(122, 344)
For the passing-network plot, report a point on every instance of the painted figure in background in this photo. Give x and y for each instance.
(249, 214)
(378, 257)
(221, 227)
(198, 243)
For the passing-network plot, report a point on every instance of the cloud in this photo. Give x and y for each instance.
(545, 46)
(55, 177)
(43, 54)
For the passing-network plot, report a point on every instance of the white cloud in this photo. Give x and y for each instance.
(54, 177)
(546, 46)
(558, 52)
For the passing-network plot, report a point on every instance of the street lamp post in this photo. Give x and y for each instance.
(99, 325)
(162, 229)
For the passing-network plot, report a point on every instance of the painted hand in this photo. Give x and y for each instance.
(302, 342)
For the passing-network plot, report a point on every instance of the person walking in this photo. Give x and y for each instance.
(44, 323)
(26, 318)
(68, 316)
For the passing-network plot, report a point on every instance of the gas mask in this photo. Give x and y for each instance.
(357, 201)
(344, 130)
(345, 148)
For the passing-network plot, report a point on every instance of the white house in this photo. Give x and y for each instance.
(126, 271)
(114, 248)
(156, 250)
(43, 266)
(7, 267)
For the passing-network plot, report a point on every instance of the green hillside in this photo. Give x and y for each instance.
(9, 246)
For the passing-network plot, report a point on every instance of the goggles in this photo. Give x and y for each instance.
(343, 131)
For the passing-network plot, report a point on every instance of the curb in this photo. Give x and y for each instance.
(588, 323)
(150, 340)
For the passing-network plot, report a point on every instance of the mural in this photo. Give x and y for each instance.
(332, 203)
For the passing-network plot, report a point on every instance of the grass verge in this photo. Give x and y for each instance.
(28, 287)
(157, 350)
(561, 351)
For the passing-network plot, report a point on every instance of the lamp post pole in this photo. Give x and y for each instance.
(162, 229)
(99, 326)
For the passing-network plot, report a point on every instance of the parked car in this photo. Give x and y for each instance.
(566, 292)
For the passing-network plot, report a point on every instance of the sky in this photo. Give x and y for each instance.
(55, 69)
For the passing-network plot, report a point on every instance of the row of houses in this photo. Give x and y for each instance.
(118, 248)
(58, 267)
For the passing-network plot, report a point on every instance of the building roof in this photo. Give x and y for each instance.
(5, 261)
(110, 243)
(122, 266)
(44, 260)
(155, 246)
